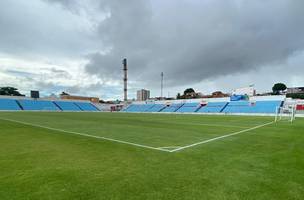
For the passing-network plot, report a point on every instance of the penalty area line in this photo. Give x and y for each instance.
(170, 147)
(86, 135)
(221, 137)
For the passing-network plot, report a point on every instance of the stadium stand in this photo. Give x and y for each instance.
(138, 107)
(259, 107)
(172, 107)
(213, 107)
(102, 107)
(300, 107)
(85, 106)
(250, 107)
(30, 104)
(67, 105)
(156, 108)
(128, 108)
(9, 104)
(189, 107)
(146, 107)
(37, 105)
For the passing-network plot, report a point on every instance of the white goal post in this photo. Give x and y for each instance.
(285, 114)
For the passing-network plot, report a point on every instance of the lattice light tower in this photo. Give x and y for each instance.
(125, 79)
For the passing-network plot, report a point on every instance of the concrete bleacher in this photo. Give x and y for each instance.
(9, 104)
(27, 104)
(213, 107)
(86, 106)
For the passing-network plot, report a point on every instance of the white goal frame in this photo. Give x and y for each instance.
(285, 114)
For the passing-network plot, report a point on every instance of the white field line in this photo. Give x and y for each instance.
(170, 147)
(221, 137)
(86, 135)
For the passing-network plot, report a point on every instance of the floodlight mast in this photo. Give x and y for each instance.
(125, 79)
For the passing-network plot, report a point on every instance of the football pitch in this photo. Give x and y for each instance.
(53, 155)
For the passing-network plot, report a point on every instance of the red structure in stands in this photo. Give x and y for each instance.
(300, 107)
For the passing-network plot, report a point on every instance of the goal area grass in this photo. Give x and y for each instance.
(53, 155)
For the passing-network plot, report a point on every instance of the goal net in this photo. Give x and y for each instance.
(285, 114)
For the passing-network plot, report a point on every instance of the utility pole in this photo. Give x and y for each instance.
(161, 85)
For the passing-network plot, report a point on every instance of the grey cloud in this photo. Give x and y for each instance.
(76, 89)
(59, 73)
(36, 29)
(191, 41)
(196, 40)
(20, 73)
(94, 90)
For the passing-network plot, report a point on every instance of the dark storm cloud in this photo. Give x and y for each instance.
(192, 41)
(195, 40)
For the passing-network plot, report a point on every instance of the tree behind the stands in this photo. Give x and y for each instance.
(10, 91)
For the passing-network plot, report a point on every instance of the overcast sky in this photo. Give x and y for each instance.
(78, 46)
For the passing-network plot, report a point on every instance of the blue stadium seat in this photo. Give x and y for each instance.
(189, 107)
(127, 108)
(86, 106)
(156, 108)
(138, 108)
(38, 105)
(248, 107)
(213, 107)
(145, 107)
(132, 108)
(67, 106)
(9, 104)
(173, 107)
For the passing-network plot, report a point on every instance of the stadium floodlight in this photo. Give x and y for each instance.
(285, 114)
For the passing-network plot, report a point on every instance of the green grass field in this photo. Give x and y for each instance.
(149, 156)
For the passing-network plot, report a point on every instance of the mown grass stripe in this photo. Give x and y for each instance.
(86, 135)
(221, 137)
